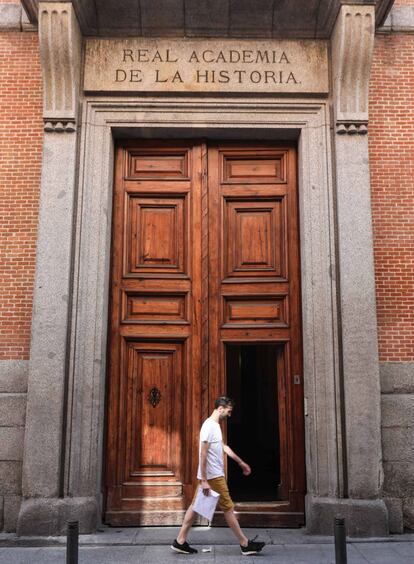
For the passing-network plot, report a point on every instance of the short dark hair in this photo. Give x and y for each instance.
(223, 401)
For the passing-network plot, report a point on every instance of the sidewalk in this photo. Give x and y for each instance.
(151, 545)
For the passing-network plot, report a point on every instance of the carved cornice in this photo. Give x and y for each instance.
(250, 18)
(352, 46)
(60, 50)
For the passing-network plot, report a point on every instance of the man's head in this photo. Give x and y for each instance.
(224, 406)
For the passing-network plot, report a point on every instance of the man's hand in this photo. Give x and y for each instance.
(205, 487)
(245, 468)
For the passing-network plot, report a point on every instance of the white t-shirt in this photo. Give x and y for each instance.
(211, 432)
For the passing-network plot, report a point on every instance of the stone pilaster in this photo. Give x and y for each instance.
(44, 509)
(352, 44)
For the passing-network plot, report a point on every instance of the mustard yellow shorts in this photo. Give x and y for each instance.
(219, 485)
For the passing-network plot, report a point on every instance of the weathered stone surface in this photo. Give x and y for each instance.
(137, 65)
(395, 514)
(397, 410)
(10, 17)
(12, 410)
(11, 512)
(408, 512)
(399, 479)
(398, 444)
(364, 518)
(10, 477)
(50, 317)
(401, 18)
(11, 443)
(1, 512)
(13, 375)
(397, 377)
(49, 516)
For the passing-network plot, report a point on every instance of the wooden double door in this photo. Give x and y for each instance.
(205, 300)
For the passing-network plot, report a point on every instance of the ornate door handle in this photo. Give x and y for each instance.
(154, 396)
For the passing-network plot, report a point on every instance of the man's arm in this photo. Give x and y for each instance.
(245, 467)
(203, 467)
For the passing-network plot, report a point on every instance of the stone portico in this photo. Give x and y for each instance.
(190, 70)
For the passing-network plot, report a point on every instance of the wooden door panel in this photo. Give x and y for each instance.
(156, 235)
(158, 163)
(255, 310)
(154, 434)
(154, 307)
(261, 166)
(254, 235)
(254, 295)
(154, 354)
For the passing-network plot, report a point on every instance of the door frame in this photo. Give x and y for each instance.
(306, 120)
(126, 497)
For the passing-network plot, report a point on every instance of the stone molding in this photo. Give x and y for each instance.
(61, 51)
(180, 18)
(103, 120)
(352, 47)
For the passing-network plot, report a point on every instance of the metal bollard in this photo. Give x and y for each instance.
(72, 542)
(340, 541)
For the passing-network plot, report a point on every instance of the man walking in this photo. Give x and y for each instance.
(211, 476)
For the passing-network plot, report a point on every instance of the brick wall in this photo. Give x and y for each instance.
(20, 157)
(20, 161)
(391, 141)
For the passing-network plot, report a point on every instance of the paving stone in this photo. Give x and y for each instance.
(382, 553)
(358, 553)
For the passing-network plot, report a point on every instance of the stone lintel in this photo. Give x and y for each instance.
(215, 66)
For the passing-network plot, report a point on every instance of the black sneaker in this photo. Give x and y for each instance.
(252, 547)
(184, 548)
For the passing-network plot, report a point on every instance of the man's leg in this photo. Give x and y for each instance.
(233, 523)
(186, 526)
